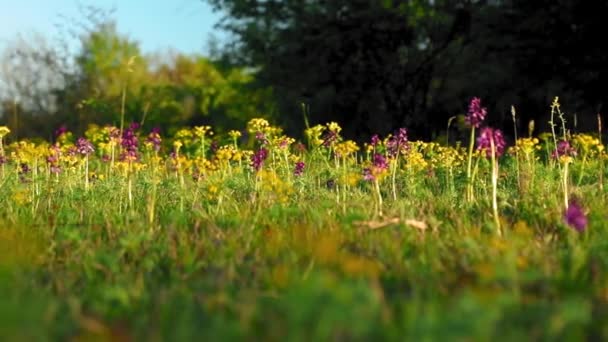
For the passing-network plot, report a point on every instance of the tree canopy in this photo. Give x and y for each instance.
(378, 65)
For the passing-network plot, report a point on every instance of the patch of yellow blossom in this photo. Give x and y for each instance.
(313, 134)
(202, 131)
(234, 134)
(587, 145)
(183, 137)
(345, 148)
(525, 147)
(4, 131)
(273, 188)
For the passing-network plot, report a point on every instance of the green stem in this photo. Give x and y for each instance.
(469, 192)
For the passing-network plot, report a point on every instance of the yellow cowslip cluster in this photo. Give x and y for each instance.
(415, 160)
(183, 138)
(257, 125)
(96, 134)
(4, 131)
(24, 152)
(274, 189)
(446, 157)
(345, 148)
(525, 147)
(334, 127)
(313, 134)
(282, 142)
(203, 165)
(234, 134)
(587, 145)
(225, 153)
(202, 131)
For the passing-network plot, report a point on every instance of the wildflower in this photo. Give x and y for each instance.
(84, 147)
(345, 148)
(313, 135)
(257, 125)
(375, 140)
(397, 143)
(564, 149)
(154, 139)
(3, 160)
(201, 131)
(258, 158)
(488, 137)
(129, 143)
(4, 131)
(332, 135)
(261, 138)
(234, 134)
(61, 131)
(53, 159)
(330, 138)
(299, 169)
(378, 167)
(575, 217)
(476, 113)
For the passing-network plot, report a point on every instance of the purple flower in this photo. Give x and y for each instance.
(397, 143)
(379, 164)
(53, 159)
(257, 159)
(379, 161)
(113, 132)
(575, 217)
(488, 137)
(375, 140)
(3, 160)
(299, 169)
(84, 147)
(563, 149)
(61, 131)
(130, 143)
(154, 138)
(476, 113)
(330, 138)
(368, 175)
(261, 137)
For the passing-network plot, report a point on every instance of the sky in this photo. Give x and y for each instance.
(158, 25)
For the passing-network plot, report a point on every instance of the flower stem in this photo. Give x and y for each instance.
(495, 187)
(469, 193)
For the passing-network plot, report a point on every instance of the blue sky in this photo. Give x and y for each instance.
(183, 25)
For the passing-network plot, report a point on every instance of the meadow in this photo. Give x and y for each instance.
(129, 235)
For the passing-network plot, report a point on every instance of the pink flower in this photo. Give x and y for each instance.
(258, 158)
(563, 149)
(487, 137)
(575, 217)
(299, 169)
(476, 113)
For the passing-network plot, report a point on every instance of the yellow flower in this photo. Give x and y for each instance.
(234, 134)
(257, 125)
(314, 135)
(346, 148)
(334, 127)
(201, 131)
(4, 131)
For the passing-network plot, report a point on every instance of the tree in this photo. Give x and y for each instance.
(369, 64)
(378, 65)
